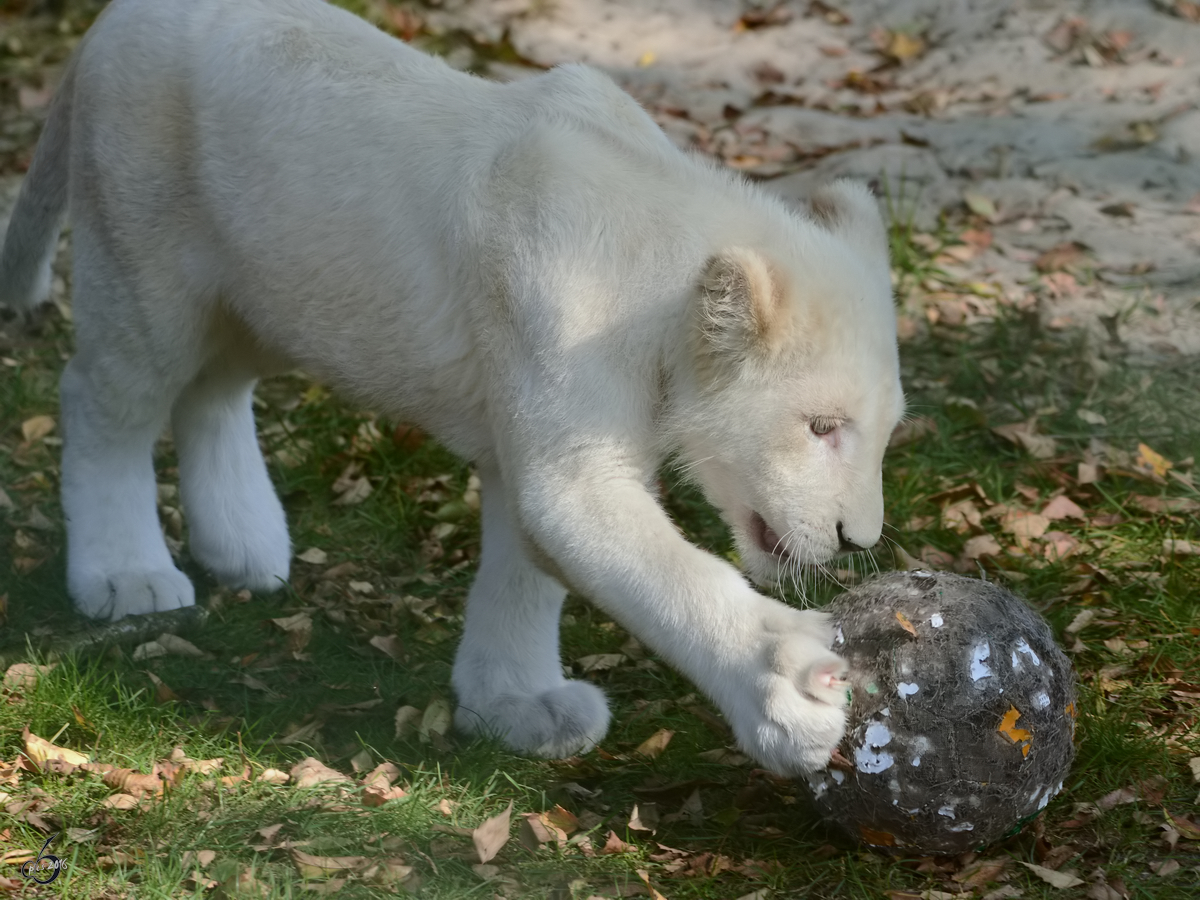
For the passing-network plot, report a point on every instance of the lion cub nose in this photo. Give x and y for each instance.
(845, 545)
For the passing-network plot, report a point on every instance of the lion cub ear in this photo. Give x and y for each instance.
(743, 310)
(848, 209)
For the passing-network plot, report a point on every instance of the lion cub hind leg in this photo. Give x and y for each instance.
(507, 673)
(117, 561)
(236, 524)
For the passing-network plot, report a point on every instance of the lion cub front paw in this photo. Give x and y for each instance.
(559, 722)
(794, 714)
(115, 595)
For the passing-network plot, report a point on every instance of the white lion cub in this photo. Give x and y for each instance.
(533, 273)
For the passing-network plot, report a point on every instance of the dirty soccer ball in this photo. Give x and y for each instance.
(962, 714)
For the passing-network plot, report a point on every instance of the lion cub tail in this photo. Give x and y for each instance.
(37, 218)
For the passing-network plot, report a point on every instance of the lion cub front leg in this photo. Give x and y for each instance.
(507, 673)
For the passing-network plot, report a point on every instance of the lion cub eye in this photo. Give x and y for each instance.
(821, 427)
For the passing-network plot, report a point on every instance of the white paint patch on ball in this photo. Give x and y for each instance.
(979, 668)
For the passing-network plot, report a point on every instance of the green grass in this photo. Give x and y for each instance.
(1139, 710)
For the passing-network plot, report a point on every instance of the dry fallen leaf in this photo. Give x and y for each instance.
(1059, 880)
(644, 817)
(980, 205)
(492, 834)
(50, 757)
(407, 718)
(1063, 507)
(310, 866)
(1024, 434)
(599, 662)
(162, 691)
(615, 845)
(310, 771)
(21, 677)
(389, 644)
(36, 428)
(653, 746)
(645, 876)
(1152, 461)
(120, 801)
(981, 545)
(313, 556)
(436, 720)
(1186, 827)
(1180, 548)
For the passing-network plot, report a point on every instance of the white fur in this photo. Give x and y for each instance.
(533, 273)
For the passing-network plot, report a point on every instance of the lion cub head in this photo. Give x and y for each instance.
(794, 386)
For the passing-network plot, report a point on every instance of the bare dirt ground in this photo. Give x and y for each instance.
(1056, 125)
(1063, 136)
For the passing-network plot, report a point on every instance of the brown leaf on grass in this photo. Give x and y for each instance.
(197, 766)
(492, 834)
(1164, 505)
(382, 776)
(201, 858)
(49, 757)
(120, 801)
(653, 746)
(273, 776)
(614, 845)
(162, 691)
(314, 556)
(1063, 507)
(644, 817)
(20, 677)
(980, 546)
(1059, 545)
(1024, 525)
(390, 645)
(436, 722)
(407, 718)
(724, 756)
(1060, 257)
(248, 680)
(1152, 461)
(599, 662)
(981, 872)
(310, 866)
(562, 819)
(654, 895)
(298, 629)
(1024, 434)
(392, 873)
(177, 646)
(351, 486)
(1060, 880)
(533, 832)
(309, 772)
(36, 428)
(376, 795)
(962, 516)
(1187, 829)
(1180, 548)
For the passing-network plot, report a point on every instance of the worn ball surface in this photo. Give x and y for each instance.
(962, 714)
